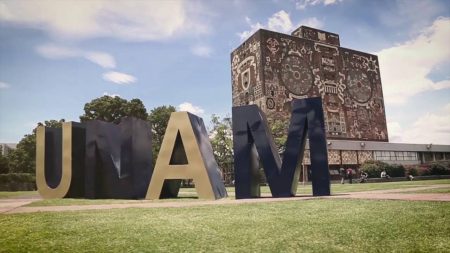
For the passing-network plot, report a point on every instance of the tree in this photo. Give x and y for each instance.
(23, 158)
(159, 117)
(221, 137)
(113, 109)
(279, 128)
(51, 123)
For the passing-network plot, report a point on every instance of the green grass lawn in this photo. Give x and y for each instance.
(5, 195)
(189, 194)
(320, 225)
(69, 202)
(343, 188)
(338, 188)
(436, 190)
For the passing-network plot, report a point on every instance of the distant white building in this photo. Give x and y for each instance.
(7, 147)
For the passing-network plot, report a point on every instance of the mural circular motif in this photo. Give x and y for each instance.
(296, 75)
(359, 86)
(270, 103)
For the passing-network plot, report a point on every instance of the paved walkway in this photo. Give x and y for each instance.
(17, 205)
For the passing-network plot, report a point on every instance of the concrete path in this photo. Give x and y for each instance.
(17, 205)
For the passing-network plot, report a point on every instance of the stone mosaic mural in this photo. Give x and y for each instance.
(364, 156)
(270, 69)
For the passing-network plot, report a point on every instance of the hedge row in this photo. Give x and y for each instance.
(374, 169)
(17, 182)
(17, 178)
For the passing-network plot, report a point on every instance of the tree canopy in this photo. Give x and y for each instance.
(23, 158)
(113, 109)
(221, 137)
(110, 109)
(159, 117)
(279, 129)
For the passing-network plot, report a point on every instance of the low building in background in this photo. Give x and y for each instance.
(351, 154)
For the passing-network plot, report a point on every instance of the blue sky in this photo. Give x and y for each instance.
(57, 55)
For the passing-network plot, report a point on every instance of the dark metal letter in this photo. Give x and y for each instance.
(118, 159)
(250, 130)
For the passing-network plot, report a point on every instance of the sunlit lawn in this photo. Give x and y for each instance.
(16, 194)
(319, 225)
(189, 194)
(435, 190)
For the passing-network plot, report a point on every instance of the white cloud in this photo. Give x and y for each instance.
(202, 50)
(110, 95)
(279, 22)
(395, 131)
(103, 59)
(57, 52)
(431, 128)
(253, 28)
(312, 22)
(118, 77)
(125, 20)
(303, 4)
(60, 52)
(405, 67)
(188, 107)
(4, 85)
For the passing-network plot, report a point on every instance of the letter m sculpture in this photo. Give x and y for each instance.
(252, 137)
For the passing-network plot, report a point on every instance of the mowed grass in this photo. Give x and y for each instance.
(319, 225)
(5, 195)
(189, 194)
(355, 187)
(71, 202)
(435, 190)
(343, 188)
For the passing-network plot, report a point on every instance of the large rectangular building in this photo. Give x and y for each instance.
(270, 69)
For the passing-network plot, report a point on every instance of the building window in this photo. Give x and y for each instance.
(428, 156)
(439, 156)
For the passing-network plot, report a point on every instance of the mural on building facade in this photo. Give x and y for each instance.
(270, 69)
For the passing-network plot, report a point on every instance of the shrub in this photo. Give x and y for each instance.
(373, 168)
(17, 182)
(395, 170)
(423, 171)
(411, 170)
(17, 178)
(439, 168)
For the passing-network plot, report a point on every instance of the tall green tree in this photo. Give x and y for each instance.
(23, 158)
(221, 137)
(159, 117)
(279, 128)
(113, 109)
